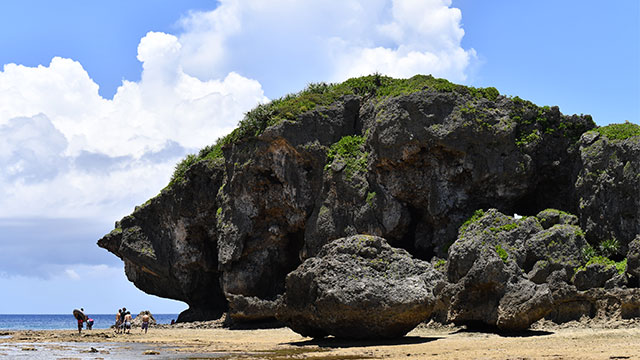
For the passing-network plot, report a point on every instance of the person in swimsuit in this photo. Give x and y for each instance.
(127, 322)
(118, 320)
(145, 322)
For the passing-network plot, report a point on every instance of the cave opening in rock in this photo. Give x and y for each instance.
(414, 239)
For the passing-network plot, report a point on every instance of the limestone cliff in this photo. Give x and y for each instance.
(406, 160)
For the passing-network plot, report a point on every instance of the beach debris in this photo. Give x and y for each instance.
(150, 352)
(29, 348)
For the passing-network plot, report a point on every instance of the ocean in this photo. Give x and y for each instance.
(65, 321)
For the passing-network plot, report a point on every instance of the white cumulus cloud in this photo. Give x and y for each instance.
(55, 127)
(295, 42)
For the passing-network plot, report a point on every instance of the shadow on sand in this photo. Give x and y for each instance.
(331, 342)
(496, 331)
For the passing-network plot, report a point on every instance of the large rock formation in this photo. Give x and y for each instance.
(609, 179)
(406, 160)
(359, 287)
(169, 245)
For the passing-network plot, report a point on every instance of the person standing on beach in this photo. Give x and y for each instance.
(127, 322)
(80, 322)
(118, 320)
(145, 322)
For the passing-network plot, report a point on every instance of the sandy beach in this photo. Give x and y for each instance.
(570, 342)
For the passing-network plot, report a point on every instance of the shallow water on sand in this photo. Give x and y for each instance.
(82, 351)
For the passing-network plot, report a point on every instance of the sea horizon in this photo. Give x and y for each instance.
(65, 321)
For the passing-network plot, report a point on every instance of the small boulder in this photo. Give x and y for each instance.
(359, 287)
(550, 217)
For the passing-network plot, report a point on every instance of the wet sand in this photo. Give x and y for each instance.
(281, 343)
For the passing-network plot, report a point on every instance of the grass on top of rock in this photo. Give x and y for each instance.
(620, 266)
(534, 122)
(619, 131)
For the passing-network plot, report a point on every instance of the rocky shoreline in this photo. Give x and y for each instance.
(364, 208)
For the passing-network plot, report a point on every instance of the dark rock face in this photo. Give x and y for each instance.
(169, 245)
(247, 309)
(633, 260)
(227, 236)
(609, 179)
(359, 287)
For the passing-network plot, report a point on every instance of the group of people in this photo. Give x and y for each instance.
(124, 319)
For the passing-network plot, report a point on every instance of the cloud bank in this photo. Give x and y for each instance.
(68, 153)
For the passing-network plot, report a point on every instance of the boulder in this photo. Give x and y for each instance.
(487, 283)
(594, 276)
(359, 287)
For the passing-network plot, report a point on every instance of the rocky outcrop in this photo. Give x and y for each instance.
(487, 276)
(249, 309)
(359, 287)
(137, 321)
(406, 160)
(169, 246)
(597, 303)
(609, 179)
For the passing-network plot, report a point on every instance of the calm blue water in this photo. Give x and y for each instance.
(65, 322)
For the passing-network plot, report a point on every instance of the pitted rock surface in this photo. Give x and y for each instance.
(359, 287)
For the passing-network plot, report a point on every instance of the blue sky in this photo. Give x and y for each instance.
(99, 100)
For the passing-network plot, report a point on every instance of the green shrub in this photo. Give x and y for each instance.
(621, 266)
(475, 217)
(502, 253)
(506, 227)
(609, 247)
(349, 149)
(619, 131)
(181, 168)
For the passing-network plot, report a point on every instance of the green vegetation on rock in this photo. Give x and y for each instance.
(475, 217)
(370, 197)
(502, 253)
(506, 227)
(619, 131)
(609, 247)
(181, 168)
(621, 266)
(533, 122)
(349, 149)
